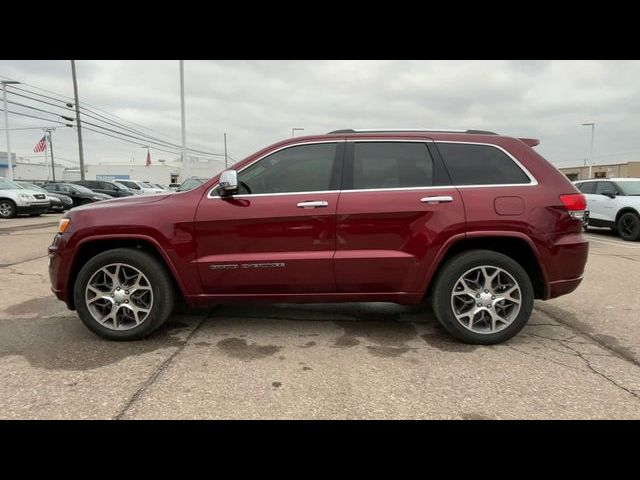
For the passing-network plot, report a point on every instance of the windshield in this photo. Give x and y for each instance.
(130, 185)
(630, 188)
(190, 184)
(9, 185)
(31, 186)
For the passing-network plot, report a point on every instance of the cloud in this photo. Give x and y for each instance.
(258, 102)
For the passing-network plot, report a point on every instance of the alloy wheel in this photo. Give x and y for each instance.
(486, 299)
(119, 296)
(6, 209)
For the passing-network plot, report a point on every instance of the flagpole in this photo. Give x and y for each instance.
(46, 157)
(53, 165)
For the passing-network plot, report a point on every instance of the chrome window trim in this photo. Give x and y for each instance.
(311, 142)
(532, 180)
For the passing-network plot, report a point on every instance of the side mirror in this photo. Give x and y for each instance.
(228, 183)
(609, 194)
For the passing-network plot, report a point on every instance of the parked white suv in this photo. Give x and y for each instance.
(614, 203)
(16, 200)
(139, 187)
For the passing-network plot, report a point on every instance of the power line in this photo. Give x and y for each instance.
(83, 107)
(140, 135)
(154, 144)
(33, 116)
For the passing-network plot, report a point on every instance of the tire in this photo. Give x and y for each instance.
(482, 332)
(628, 226)
(159, 288)
(8, 208)
(85, 202)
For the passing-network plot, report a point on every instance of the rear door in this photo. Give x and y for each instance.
(396, 209)
(277, 236)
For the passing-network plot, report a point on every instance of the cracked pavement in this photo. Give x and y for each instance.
(579, 357)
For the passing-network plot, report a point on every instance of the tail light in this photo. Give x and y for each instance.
(575, 203)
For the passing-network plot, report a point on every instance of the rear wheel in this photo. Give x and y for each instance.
(124, 294)
(482, 297)
(7, 208)
(628, 226)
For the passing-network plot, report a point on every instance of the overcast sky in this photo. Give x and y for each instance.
(258, 102)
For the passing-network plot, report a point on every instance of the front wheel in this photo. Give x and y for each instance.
(628, 226)
(482, 297)
(124, 294)
(7, 209)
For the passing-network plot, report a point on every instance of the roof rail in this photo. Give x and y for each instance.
(383, 130)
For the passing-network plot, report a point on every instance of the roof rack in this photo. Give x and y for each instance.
(383, 130)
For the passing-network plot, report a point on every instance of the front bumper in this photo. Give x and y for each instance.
(32, 208)
(59, 266)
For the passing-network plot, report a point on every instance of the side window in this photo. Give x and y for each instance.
(105, 186)
(303, 168)
(391, 165)
(587, 187)
(605, 187)
(480, 165)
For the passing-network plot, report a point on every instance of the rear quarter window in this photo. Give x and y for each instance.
(587, 187)
(472, 164)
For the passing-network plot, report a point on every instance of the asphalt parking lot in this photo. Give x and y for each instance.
(579, 357)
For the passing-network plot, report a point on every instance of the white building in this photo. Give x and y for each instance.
(161, 172)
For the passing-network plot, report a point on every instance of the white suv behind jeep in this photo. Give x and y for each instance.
(15, 200)
(614, 203)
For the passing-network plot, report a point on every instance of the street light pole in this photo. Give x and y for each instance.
(293, 130)
(6, 126)
(225, 151)
(184, 126)
(593, 127)
(75, 94)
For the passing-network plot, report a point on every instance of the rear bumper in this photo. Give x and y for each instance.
(565, 262)
(563, 287)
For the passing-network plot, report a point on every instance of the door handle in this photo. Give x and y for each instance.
(313, 204)
(440, 199)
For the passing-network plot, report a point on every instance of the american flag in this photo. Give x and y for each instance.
(148, 159)
(41, 145)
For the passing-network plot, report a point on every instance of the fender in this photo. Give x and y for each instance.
(120, 236)
(483, 234)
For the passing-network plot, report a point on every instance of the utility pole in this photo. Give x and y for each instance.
(53, 165)
(184, 126)
(6, 125)
(225, 151)
(75, 94)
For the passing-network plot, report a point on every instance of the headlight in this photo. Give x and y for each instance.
(26, 196)
(97, 198)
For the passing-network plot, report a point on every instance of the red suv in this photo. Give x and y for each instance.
(477, 222)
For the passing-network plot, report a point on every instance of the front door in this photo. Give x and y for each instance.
(277, 235)
(396, 210)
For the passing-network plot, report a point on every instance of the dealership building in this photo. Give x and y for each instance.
(160, 171)
(617, 170)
